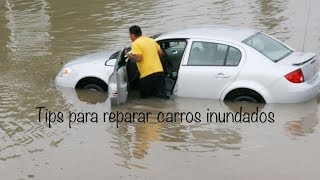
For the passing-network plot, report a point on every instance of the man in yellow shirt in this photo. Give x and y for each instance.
(147, 52)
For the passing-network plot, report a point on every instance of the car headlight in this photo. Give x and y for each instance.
(65, 71)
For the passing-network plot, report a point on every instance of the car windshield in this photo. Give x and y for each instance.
(269, 47)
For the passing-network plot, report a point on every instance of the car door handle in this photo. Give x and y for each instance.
(174, 52)
(222, 75)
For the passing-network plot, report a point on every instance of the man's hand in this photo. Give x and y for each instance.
(126, 53)
(133, 57)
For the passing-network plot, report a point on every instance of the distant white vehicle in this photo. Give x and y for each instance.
(223, 63)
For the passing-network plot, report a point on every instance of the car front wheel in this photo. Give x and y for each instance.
(93, 87)
(92, 83)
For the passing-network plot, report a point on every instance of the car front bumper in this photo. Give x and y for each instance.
(65, 81)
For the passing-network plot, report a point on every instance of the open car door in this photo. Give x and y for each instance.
(118, 81)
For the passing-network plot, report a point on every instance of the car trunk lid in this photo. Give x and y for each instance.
(307, 62)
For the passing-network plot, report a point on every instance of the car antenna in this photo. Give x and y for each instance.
(306, 28)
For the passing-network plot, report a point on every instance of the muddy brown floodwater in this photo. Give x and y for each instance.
(38, 36)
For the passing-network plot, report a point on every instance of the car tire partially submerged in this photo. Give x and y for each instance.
(244, 95)
(92, 83)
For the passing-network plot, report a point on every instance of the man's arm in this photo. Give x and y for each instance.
(160, 52)
(136, 54)
(134, 57)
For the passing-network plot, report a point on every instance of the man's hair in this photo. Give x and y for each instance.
(136, 30)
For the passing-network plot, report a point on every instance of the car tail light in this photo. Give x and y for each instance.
(295, 76)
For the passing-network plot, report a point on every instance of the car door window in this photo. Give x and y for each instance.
(174, 50)
(213, 54)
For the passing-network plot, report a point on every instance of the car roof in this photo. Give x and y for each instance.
(210, 32)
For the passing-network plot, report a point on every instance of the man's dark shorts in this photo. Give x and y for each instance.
(153, 85)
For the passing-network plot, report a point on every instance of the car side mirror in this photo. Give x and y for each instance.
(110, 62)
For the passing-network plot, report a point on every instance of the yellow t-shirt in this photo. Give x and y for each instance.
(150, 62)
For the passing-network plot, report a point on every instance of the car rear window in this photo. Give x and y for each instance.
(268, 46)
